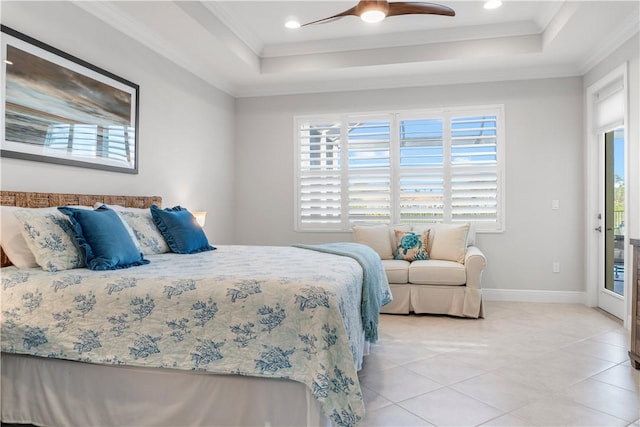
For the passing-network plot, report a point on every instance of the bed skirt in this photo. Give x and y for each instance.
(53, 392)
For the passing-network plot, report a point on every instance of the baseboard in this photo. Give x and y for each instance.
(524, 295)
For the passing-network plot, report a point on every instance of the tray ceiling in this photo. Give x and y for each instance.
(243, 48)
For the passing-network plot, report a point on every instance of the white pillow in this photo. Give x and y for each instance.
(449, 242)
(374, 236)
(13, 244)
(50, 237)
(145, 231)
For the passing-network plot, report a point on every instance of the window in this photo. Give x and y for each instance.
(401, 167)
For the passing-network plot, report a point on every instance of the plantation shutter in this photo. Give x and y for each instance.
(407, 167)
(369, 171)
(474, 172)
(421, 171)
(319, 179)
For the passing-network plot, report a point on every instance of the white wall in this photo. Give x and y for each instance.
(186, 133)
(544, 161)
(629, 52)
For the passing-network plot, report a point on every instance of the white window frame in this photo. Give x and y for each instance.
(395, 116)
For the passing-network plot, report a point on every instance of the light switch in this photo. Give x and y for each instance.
(555, 205)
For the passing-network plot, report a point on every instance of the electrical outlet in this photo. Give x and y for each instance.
(556, 267)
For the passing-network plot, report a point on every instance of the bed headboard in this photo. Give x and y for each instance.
(47, 200)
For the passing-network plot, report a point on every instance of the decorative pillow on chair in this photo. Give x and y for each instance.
(144, 228)
(50, 237)
(180, 230)
(412, 246)
(104, 239)
(392, 236)
(374, 236)
(431, 228)
(450, 242)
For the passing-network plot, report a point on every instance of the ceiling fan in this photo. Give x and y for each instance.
(377, 10)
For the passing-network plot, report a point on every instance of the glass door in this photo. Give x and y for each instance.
(611, 295)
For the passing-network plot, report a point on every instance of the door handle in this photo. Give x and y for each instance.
(598, 228)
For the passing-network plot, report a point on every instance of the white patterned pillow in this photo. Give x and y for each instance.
(50, 238)
(145, 230)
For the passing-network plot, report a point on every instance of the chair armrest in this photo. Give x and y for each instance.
(474, 262)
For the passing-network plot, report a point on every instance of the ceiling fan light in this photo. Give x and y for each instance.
(372, 16)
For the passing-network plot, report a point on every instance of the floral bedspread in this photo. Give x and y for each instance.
(280, 312)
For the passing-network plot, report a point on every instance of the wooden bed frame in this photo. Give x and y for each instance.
(48, 200)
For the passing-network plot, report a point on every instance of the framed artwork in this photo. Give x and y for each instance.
(57, 108)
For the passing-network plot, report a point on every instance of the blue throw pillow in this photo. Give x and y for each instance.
(105, 241)
(180, 230)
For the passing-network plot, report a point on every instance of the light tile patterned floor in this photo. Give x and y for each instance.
(525, 364)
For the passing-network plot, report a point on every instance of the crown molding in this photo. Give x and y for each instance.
(122, 22)
(617, 37)
(406, 81)
(241, 31)
(385, 56)
(412, 38)
(546, 20)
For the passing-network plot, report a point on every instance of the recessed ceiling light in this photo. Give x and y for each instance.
(292, 24)
(492, 4)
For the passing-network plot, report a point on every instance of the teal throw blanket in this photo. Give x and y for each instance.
(375, 286)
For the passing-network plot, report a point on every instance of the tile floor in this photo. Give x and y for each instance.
(525, 364)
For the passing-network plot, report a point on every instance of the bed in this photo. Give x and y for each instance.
(241, 335)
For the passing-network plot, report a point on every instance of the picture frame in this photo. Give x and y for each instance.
(57, 108)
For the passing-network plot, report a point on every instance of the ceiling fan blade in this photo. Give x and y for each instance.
(347, 12)
(410, 8)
